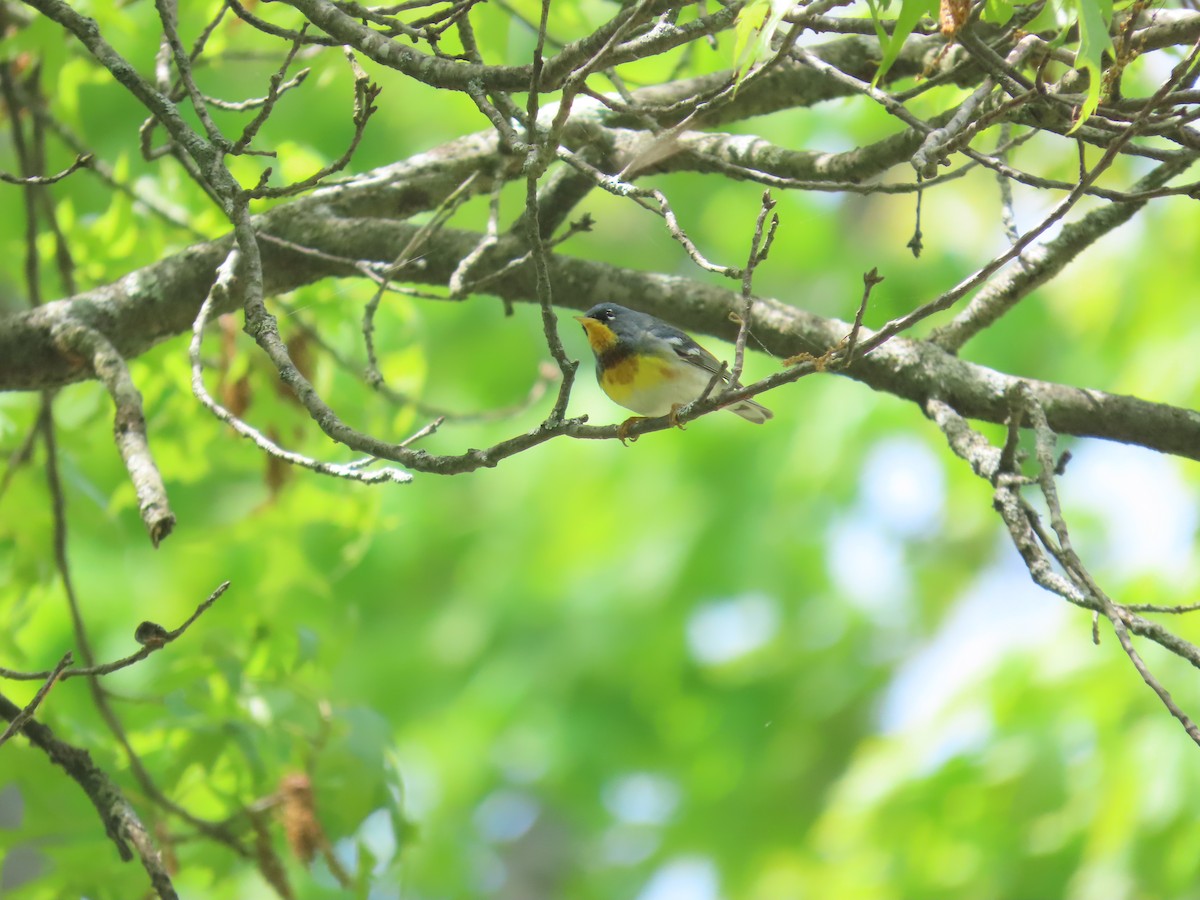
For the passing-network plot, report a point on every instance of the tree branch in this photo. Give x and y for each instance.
(129, 425)
(120, 820)
(152, 637)
(51, 678)
(135, 317)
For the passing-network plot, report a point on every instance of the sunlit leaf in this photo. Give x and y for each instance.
(911, 13)
(756, 26)
(1095, 17)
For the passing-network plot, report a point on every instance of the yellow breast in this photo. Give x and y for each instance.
(600, 336)
(631, 375)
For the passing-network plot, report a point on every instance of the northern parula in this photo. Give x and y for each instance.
(653, 368)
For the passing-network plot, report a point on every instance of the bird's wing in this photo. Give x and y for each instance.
(689, 351)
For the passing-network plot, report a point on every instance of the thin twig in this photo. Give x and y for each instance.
(159, 638)
(225, 276)
(365, 94)
(407, 256)
(760, 247)
(870, 279)
(1033, 540)
(276, 88)
(1153, 608)
(18, 721)
(121, 822)
(81, 162)
(533, 232)
(660, 206)
(169, 16)
(124, 826)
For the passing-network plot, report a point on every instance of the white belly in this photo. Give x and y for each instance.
(658, 400)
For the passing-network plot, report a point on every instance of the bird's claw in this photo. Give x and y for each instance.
(623, 430)
(673, 416)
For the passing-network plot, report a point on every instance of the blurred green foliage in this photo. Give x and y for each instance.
(727, 656)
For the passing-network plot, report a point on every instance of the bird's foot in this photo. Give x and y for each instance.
(623, 430)
(673, 416)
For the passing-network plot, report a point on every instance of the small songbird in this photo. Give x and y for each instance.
(653, 368)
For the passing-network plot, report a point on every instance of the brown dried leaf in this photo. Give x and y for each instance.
(298, 811)
(953, 15)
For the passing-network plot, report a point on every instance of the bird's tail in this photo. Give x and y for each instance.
(751, 411)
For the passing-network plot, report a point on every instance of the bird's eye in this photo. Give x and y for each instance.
(607, 315)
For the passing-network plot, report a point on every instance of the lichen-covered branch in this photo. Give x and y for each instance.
(129, 425)
(912, 369)
(121, 821)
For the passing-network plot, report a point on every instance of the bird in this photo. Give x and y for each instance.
(651, 367)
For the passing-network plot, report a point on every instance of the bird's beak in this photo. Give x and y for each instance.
(583, 320)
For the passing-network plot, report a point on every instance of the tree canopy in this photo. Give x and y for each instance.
(272, 271)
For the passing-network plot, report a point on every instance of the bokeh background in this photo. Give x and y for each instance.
(791, 661)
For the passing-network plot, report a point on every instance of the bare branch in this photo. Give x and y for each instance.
(1034, 542)
(121, 822)
(870, 280)
(1042, 263)
(81, 162)
(533, 234)
(152, 638)
(129, 426)
(276, 87)
(220, 289)
(18, 721)
(760, 247)
(365, 94)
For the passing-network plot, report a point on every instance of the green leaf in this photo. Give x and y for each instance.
(911, 12)
(1095, 16)
(998, 12)
(756, 25)
(308, 646)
